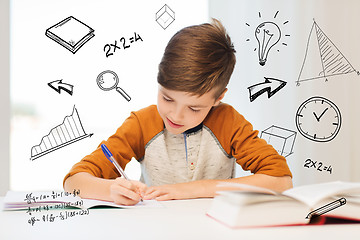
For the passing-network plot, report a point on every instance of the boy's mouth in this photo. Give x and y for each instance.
(173, 125)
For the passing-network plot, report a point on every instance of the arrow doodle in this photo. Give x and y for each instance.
(271, 86)
(57, 85)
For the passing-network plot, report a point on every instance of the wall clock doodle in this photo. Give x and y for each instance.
(318, 119)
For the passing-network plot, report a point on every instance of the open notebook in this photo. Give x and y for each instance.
(56, 199)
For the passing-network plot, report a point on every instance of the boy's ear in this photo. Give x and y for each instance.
(217, 101)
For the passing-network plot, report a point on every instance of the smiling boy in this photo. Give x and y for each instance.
(189, 141)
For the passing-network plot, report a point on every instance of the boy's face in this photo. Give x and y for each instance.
(181, 111)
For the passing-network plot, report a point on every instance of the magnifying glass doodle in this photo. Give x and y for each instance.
(108, 80)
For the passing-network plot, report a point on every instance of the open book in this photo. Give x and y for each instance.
(57, 200)
(255, 207)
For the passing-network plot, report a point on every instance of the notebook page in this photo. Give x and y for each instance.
(88, 203)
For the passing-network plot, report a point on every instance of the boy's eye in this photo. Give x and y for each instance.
(167, 99)
(194, 110)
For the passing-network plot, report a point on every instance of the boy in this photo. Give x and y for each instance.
(189, 141)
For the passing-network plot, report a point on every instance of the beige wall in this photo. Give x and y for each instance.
(4, 97)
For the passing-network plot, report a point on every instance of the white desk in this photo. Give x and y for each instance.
(180, 219)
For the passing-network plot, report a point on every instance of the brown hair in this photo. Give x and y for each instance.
(197, 59)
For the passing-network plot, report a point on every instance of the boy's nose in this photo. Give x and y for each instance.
(178, 115)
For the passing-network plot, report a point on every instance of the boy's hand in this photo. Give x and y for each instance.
(126, 192)
(172, 191)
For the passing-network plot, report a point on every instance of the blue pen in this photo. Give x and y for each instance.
(110, 157)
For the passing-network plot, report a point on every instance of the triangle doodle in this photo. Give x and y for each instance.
(322, 58)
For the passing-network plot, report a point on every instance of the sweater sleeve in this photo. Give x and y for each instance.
(126, 143)
(237, 137)
(254, 153)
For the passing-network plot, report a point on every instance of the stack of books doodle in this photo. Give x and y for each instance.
(70, 33)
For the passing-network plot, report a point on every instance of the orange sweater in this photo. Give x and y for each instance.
(208, 151)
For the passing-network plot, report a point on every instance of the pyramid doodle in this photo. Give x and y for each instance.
(322, 58)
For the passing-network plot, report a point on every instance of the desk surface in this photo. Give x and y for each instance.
(180, 219)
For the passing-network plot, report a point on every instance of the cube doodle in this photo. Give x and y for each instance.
(165, 16)
(280, 138)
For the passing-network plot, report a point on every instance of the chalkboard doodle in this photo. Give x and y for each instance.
(165, 16)
(70, 33)
(58, 85)
(268, 35)
(271, 86)
(68, 132)
(110, 49)
(322, 58)
(319, 166)
(281, 139)
(108, 80)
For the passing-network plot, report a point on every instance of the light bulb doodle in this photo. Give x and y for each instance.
(108, 80)
(267, 34)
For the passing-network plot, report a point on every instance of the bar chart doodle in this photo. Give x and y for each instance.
(68, 132)
(322, 58)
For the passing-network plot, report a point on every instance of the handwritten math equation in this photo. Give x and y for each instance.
(40, 205)
(123, 43)
(63, 215)
(49, 207)
(30, 198)
(319, 166)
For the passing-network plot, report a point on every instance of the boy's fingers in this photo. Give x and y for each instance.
(164, 197)
(125, 183)
(119, 199)
(150, 190)
(140, 186)
(135, 186)
(153, 194)
(118, 190)
(128, 192)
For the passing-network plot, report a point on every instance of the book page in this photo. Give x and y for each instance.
(314, 193)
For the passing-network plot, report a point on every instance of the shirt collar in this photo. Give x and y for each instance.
(194, 129)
